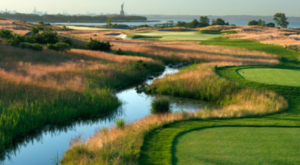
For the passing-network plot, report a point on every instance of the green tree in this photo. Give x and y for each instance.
(270, 24)
(108, 22)
(213, 22)
(219, 21)
(34, 30)
(204, 21)
(281, 20)
(194, 23)
(261, 23)
(253, 22)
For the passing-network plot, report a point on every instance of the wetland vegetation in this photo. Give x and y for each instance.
(50, 87)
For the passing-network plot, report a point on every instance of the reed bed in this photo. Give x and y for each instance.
(48, 87)
(201, 82)
(123, 146)
(116, 145)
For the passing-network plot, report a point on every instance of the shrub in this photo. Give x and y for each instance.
(67, 41)
(161, 105)
(60, 46)
(139, 65)
(29, 39)
(36, 47)
(40, 27)
(46, 37)
(7, 34)
(120, 26)
(120, 123)
(19, 37)
(293, 48)
(119, 51)
(34, 30)
(270, 24)
(211, 31)
(98, 45)
(40, 23)
(13, 42)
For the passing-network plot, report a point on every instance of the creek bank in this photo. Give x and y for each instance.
(54, 139)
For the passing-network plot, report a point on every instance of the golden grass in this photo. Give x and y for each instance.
(122, 146)
(30, 67)
(202, 79)
(189, 51)
(116, 140)
(265, 35)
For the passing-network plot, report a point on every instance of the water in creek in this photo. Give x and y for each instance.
(40, 147)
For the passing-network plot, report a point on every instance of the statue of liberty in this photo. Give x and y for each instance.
(122, 13)
(122, 7)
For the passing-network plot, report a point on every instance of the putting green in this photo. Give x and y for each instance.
(243, 145)
(287, 77)
(173, 36)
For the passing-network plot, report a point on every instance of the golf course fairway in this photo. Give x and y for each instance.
(238, 145)
(275, 76)
(173, 36)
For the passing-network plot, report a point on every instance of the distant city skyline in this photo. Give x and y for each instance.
(162, 7)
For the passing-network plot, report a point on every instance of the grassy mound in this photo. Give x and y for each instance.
(231, 145)
(274, 76)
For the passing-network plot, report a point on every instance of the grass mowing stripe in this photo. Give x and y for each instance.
(238, 145)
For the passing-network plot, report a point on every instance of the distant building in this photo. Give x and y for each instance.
(122, 13)
(37, 12)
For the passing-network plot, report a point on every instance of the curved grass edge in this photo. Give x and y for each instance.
(168, 133)
(127, 146)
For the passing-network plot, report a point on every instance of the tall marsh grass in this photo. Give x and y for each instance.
(123, 146)
(20, 119)
(49, 87)
(201, 82)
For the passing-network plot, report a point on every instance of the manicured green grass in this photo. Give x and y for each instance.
(287, 77)
(240, 145)
(173, 36)
(162, 141)
(160, 148)
(286, 56)
(218, 31)
(90, 28)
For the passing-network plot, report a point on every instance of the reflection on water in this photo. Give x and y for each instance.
(39, 146)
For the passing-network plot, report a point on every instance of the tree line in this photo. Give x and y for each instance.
(279, 18)
(203, 22)
(70, 18)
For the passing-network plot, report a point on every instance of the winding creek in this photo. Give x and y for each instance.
(40, 147)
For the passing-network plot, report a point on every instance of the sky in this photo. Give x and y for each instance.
(165, 7)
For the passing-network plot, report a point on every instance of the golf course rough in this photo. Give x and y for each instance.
(274, 76)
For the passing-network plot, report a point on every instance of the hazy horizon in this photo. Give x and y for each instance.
(162, 7)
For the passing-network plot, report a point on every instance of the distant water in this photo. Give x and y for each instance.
(240, 22)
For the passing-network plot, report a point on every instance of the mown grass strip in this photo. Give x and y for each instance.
(285, 55)
(275, 76)
(238, 145)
